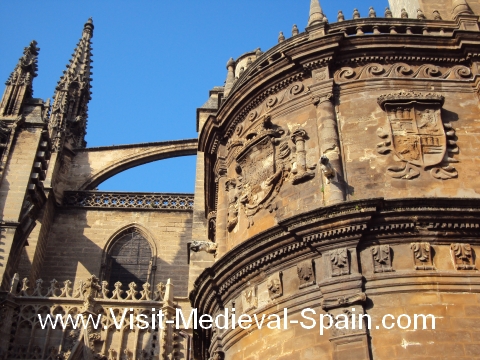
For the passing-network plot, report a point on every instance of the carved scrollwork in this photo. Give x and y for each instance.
(418, 137)
(402, 70)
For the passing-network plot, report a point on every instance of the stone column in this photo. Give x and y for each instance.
(334, 189)
(221, 234)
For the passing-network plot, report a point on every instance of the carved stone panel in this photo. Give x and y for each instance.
(422, 256)
(463, 256)
(339, 262)
(417, 136)
(306, 273)
(249, 299)
(265, 156)
(275, 286)
(382, 259)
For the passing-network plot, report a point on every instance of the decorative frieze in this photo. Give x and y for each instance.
(462, 256)
(382, 259)
(402, 70)
(422, 256)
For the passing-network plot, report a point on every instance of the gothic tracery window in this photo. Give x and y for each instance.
(129, 260)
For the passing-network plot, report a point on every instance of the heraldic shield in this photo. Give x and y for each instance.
(418, 133)
(419, 138)
(259, 173)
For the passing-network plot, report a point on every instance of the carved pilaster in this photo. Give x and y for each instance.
(330, 149)
(222, 206)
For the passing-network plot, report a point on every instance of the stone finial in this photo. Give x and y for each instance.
(460, 7)
(356, 14)
(88, 27)
(404, 14)
(281, 37)
(294, 30)
(436, 15)
(316, 13)
(388, 13)
(421, 15)
(258, 52)
(372, 13)
(230, 77)
(340, 16)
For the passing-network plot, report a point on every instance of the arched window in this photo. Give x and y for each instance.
(129, 259)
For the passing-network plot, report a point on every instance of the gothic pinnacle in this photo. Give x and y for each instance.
(316, 13)
(72, 120)
(19, 84)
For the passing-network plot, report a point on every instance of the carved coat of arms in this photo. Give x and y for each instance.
(265, 156)
(417, 135)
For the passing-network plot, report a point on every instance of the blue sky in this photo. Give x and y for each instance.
(154, 63)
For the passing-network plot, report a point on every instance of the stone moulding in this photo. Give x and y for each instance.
(228, 275)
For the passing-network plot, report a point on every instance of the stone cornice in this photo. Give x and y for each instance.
(343, 225)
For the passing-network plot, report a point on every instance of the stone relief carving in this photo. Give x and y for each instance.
(207, 246)
(249, 299)
(275, 286)
(306, 273)
(417, 136)
(382, 259)
(265, 156)
(327, 169)
(231, 188)
(347, 300)
(402, 70)
(422, 256)
(462, 256)
(339, 261)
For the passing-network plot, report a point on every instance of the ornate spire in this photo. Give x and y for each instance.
(316, 13)
(68, 120)
(19, 84)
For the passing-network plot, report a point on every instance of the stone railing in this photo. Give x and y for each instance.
(67, 292)
(110, 334)
(124, 200)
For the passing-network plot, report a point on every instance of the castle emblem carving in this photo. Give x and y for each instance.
(417, 136)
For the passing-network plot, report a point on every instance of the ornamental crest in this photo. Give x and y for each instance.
(265, 157)
(417, 136)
